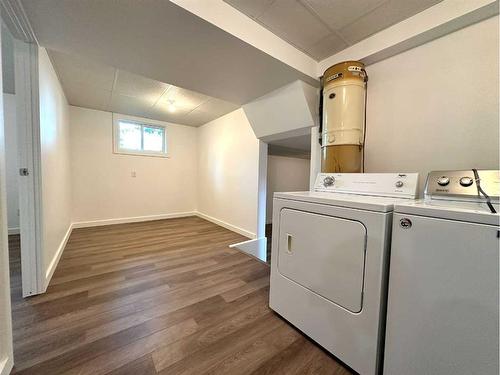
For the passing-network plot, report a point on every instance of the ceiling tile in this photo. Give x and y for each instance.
(183, 100)
(79, 70)
(163, 114)
(386, 15)
(339, 13)
(134, 85)
(87, 95)
(164, 107)
(129, 105)
(252, 8)
(326, 47)
(198, 118)
(208, 111)
(293, 22)
(217, 107)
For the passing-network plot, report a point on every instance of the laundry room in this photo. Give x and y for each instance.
(250, 187)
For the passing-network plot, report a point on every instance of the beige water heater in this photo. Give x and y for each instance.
(344, 93)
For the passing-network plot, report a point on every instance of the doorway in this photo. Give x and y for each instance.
(288, 169)
(20, 108)
(11, 161)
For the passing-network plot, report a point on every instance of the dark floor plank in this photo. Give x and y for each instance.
(141, 366)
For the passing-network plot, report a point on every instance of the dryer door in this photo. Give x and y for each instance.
(324, 254)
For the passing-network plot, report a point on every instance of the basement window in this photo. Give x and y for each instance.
(137, 138)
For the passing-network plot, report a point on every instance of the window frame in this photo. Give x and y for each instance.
(142, 123)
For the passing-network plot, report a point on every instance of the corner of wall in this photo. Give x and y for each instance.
(55, 259)
(227, 225)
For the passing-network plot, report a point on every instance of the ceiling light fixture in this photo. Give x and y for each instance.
(171, 106)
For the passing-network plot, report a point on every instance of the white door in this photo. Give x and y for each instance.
(324, 254)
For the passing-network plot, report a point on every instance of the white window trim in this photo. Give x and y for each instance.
(153, 124)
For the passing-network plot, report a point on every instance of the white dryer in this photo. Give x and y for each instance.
(442, 315)
(329, 261)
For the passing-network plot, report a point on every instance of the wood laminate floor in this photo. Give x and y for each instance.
(160, 297)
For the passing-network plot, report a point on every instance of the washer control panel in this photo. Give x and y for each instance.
(402, 185)
(462, 185)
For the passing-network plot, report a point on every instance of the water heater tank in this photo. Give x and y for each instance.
(344, 92)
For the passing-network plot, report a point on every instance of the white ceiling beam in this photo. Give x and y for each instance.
(227, 18)
(432, 23)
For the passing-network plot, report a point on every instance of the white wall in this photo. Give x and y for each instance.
(55, 161)
(103, 186)
(12, 168)
(285, 174)
(228, 172)
(436, 106)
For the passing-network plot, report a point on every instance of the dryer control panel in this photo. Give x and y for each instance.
(398, 185)
(463, 185)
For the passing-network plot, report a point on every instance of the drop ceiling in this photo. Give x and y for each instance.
(322, 28)
(161, 41)
(90, 84)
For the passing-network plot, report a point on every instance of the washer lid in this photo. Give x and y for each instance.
(453, 210)
(362, 202)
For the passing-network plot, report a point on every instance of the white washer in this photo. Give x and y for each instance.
(329, 261)
(442, 315)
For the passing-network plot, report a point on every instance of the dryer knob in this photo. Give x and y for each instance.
(399, 184)
(328, 181)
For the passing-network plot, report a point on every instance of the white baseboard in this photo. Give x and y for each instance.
(55, 260)
(134, 219)
(231, 227)
(13, 231)
(6, 365)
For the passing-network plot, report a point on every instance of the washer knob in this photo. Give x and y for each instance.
(328, 181)
(443, 181)
(399, 184)
(466, 181)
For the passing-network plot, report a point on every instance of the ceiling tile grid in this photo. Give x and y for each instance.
(321, 28)
(93, 85)
(387, 14)
(295, 22)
